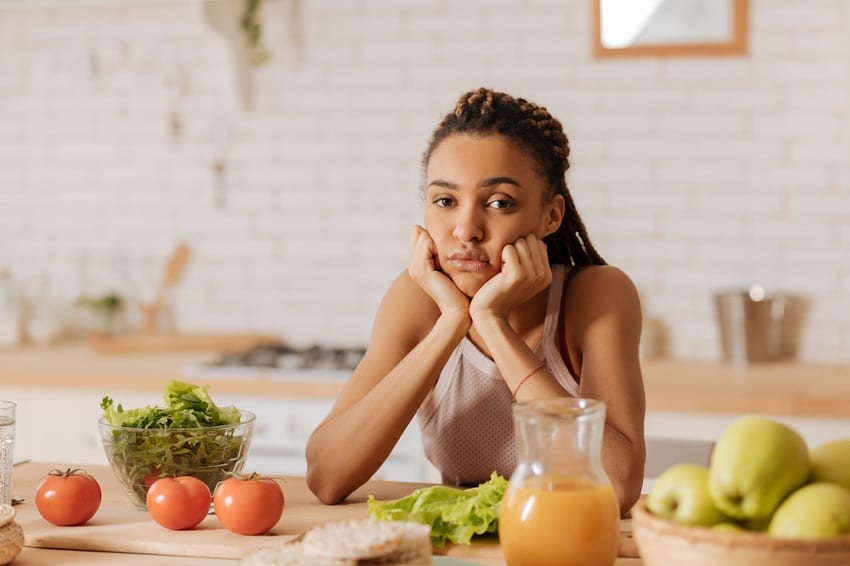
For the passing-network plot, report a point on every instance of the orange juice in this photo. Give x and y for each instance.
(559, 521)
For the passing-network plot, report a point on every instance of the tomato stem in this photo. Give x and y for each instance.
(241, 476)
(67, 472)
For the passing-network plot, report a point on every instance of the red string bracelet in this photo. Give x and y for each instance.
(539, 366)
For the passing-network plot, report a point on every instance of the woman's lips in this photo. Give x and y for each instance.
(471, 260)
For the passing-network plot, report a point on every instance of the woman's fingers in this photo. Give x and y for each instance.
(424, 269)
(510, 259)
(528, 258)
(538, 256)
(421, 252)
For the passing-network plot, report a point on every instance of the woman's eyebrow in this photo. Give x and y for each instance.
(491, 182)
(443, 184)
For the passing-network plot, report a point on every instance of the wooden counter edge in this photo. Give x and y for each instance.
(817, 390)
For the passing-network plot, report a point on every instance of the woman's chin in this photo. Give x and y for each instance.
(469, 283)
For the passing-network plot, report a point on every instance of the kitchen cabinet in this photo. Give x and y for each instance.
(60, 425)
(284, 425)
(708, 427)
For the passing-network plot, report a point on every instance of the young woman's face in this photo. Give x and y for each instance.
(481, 193)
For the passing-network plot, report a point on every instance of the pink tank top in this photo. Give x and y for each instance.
(467, 421)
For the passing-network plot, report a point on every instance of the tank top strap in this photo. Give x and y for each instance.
(562, 339)
(549, 346)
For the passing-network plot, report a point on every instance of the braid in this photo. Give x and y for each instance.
(533, 129)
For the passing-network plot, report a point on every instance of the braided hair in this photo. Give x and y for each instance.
(534, 130)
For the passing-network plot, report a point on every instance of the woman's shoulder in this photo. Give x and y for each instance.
(404, 287)
(407, 308)
(596, 286)
(609, 277)
(602, 301)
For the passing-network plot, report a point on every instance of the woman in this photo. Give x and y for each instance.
(504, 299)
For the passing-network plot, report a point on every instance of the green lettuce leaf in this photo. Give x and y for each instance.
(186, 406)
(454, 514)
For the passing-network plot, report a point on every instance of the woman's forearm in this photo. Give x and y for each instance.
(516, 361)
(349, 447)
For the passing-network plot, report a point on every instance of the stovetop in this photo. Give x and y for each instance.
(283, 361)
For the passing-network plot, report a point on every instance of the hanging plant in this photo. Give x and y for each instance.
(253, 29)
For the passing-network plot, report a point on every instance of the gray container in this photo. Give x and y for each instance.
(751, 325)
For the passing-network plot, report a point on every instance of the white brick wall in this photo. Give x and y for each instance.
(692, 174)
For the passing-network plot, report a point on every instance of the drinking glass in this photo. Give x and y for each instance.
(7, 449)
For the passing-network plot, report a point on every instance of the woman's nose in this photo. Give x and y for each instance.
(468, 225)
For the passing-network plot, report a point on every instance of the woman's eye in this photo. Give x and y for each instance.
(500, 203)
(443, 202)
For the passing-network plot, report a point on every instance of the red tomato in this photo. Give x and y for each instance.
(68, 498)
(248, 505)
(150, 477)
(178, 503)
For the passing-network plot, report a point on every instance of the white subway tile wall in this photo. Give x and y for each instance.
(693, 174)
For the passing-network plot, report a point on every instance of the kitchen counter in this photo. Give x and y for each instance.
(82, 367)
(120, 533)
(671, 385)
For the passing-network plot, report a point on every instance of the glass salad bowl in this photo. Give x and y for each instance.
(139, 456)
(189, 436)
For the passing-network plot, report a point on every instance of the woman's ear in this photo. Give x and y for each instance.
(554, 215)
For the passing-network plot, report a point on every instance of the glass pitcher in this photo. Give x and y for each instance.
(559, 507)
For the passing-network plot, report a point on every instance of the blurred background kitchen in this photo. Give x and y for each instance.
(290, 166)
(126, 127)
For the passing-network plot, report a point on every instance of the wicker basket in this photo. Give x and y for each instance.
(663, 543)
(11, 535)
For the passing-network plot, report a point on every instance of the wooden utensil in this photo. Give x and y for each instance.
(173, 272)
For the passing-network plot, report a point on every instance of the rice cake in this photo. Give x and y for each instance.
(353, 542)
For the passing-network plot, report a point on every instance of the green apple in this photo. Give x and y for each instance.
(681, 495)
(831, 462)
(816, 510)
(755, 463)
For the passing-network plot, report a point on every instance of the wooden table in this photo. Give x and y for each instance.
(121, 534)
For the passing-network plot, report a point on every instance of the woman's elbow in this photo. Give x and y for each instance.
(326, 483)
(324, 490)
(624, 463)
(323, 482)
(631, 484)
(629, 495)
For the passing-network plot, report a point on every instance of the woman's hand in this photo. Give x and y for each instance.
(424, 270)
(525, 272)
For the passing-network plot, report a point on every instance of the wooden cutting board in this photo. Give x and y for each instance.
(119, 527)
(141, 536)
